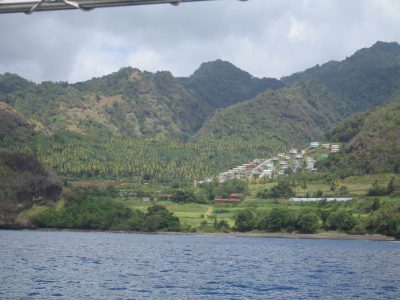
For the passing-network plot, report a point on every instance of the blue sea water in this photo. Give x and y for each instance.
(102, 265)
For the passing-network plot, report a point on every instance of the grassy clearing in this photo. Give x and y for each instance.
(191, 214)
(357, 185)
(25, 216)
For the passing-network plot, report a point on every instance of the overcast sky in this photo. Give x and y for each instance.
(268, 38)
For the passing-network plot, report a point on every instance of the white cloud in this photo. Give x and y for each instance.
(300, 31)
(266, 38)
(147, 59)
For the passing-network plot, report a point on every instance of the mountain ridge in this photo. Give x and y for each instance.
(133, 104)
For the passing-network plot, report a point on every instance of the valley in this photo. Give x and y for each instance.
(120, 145)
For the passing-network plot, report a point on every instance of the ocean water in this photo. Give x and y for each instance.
(101, 265)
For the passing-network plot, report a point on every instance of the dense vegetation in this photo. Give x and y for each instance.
(135, 124)
(367, 78)
(153, 128)
(355, 217)
(371, 141)
(273, 121)
(139, 160)
(220, 84)
(88, 209)
(127, 103)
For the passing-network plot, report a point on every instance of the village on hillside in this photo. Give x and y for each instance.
(293, 161)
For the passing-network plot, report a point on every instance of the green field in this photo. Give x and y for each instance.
(196, 216)
(193, 214)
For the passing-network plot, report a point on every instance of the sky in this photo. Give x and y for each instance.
(267, 38)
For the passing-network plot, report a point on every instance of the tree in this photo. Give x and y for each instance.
(181, 196)
(282, 189)
(333, 185)
(221, 225)
(279, 219)
(232, 186)
(340, 220)
(377, 190)
(158, 217)
(393, 187)
(308, 223)
(245, 220)
(343, 190)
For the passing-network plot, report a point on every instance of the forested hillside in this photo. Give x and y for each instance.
(367, 78)
(372, 140)
(275, 120)
(152, 126)
(220, 84)
(127, 103)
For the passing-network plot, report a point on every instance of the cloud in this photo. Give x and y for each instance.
(266, 38)
(300, 32)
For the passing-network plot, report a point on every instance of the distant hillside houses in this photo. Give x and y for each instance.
(333, 148)
(293, 161)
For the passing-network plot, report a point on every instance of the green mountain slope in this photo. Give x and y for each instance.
(367, 78)
(126, 103)
(144, 125)
(220, 84)
(274, 120)
(372, 140)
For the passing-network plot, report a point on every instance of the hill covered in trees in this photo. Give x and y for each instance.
(153, 126)
(127, 103)
(220, 84)
(367, 78)
(312, 103)
(275, 120)
(372, 140)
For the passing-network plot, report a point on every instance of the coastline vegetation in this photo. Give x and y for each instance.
(92, 209)
(192, 209)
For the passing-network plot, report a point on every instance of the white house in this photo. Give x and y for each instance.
(267, 173)
(335, 148)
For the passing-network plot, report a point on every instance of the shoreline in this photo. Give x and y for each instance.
(278, 235)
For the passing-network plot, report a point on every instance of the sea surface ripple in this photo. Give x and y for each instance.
(105, 265)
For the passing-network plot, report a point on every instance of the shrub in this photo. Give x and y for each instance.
(232, 186)
(279, 219)
(340, 220)
(377, 190)
(385, 222)
(245, 220)
(308, 223)
(222, 225)
(281, 189)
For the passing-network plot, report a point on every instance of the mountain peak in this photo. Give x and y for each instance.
(220, 83)
(220, 67)
(392, 47)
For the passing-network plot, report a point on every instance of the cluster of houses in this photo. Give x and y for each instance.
(292, 161)
(333, 148)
